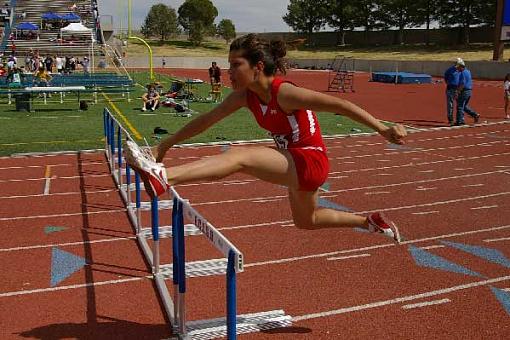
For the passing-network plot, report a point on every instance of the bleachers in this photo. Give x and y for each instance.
(90, 81)
(49, 39)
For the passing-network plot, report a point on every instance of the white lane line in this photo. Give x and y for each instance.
(437, 246)
(426, 189)
(53, 165)
(426, 171)
(465, 199)
(238, 183)
(415, 165)
(400, 299)
(425, 304)
(61, 215)
(278, 261)
(267, 200)
(426, 212)
(485, 207)
(462, 169)
(337, 177)
(473, 185)
(377, 192)
(83, 285)
(383, 174)
(383, 160)
(497, 239)
(41, 246)
(59, 194)
(417, 150)
(379, 246)
(347, 257)
(59, 177)
(502, 166)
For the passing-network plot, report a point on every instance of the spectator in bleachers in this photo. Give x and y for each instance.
(2, 70)
(72, 64)
(5, 12)
(48, 62)
(150, 99)
(42, 78)
(85, 63)
(67, 65)
(17, 78)
(59, 63)
(28, 61)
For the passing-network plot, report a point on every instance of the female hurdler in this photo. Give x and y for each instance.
(298, 160)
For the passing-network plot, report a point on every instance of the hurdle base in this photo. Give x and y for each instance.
(246, 323)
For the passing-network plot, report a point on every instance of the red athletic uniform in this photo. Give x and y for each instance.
(299, 133)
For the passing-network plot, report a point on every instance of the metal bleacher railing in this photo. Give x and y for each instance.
(179, 270)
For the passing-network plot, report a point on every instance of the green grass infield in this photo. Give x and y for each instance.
(56, 126)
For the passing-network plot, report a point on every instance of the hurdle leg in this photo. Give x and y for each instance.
(231, 298)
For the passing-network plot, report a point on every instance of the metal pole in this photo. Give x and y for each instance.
(155, 234)
(231, 298)
(138, 203)
(175, 264)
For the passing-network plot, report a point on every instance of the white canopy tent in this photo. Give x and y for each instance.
(77, 28)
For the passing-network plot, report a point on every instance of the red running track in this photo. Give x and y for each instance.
(419, 105)
(445, 185)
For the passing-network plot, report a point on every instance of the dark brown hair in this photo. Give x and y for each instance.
(254, 49)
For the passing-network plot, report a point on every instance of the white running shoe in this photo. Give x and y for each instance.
(152, 174)
(378, 223)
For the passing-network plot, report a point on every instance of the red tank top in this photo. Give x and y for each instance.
(298, 130)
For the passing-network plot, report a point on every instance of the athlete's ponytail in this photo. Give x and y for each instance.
(255, 49)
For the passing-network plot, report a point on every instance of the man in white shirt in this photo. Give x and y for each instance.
(59, 63)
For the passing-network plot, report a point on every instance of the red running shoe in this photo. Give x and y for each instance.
(152, 174)
(378, 223)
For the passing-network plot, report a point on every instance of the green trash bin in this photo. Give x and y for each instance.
(23, 102)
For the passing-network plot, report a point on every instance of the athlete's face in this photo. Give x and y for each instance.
(242, 74)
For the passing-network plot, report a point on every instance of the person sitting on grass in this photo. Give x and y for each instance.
(150, 99)
(298, 160)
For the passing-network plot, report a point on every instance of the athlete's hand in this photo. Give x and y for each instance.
(395, 134)
(158, 153)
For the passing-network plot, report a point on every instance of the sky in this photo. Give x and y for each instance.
(247, 15)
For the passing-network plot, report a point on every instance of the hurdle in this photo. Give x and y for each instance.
(178, 271)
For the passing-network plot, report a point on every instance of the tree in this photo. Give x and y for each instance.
(400, 14)
(341, 17)
(306, 15)
(197, 18)
(427, 11)
(226, 30)
(161, 21)
(367, 15)
(466, 13)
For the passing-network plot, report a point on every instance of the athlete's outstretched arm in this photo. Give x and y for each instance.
(291, 98)
(232, 103)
